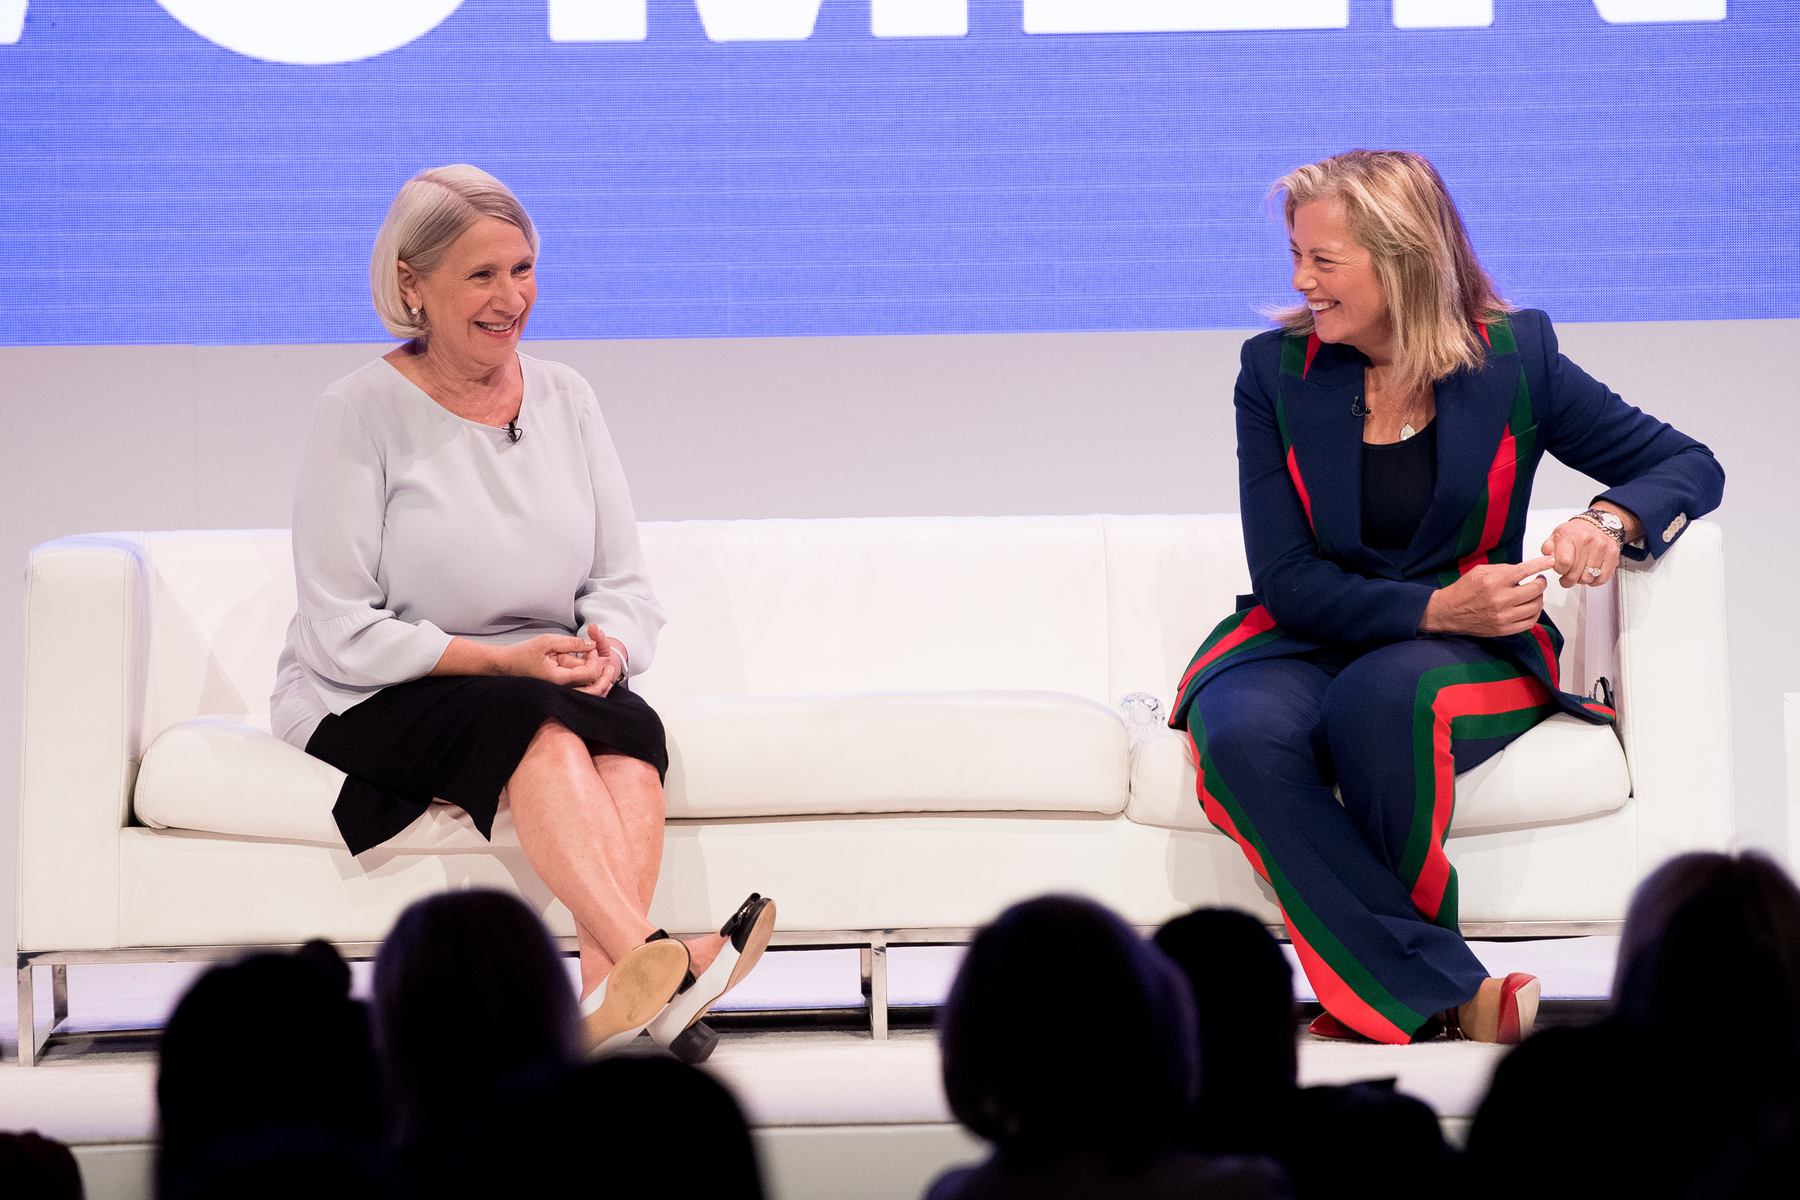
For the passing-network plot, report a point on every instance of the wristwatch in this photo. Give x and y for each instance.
(1609, 523)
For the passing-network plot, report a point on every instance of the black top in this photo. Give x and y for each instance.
(1397, 482)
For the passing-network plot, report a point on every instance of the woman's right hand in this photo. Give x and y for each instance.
(549, 656)
(1492, 600)
(552, 657)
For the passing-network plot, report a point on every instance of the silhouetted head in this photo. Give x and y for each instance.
(285, 1163)
(1066, 1031)
(1711, 956)
(1244, 996)
(617, 1110)
(470, 992)
(33, 1167)
(274, 1041)
(1366, 1139)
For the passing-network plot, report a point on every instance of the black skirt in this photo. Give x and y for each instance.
(459, 738)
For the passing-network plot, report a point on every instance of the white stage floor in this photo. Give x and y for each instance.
(836, 1114)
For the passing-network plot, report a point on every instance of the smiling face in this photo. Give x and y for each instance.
(479, 298)
(1337, 278)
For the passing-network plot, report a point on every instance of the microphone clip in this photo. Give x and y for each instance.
(1357, 409)
(513, 432)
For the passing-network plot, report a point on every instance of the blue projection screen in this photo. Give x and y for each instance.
(213, 171)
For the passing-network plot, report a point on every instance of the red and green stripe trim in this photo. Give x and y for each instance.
(1463, 700)
(1499, 511)
(1499, 335)
(1344, 986)
(1241, 631)
(1296, 360)
(1297, 354)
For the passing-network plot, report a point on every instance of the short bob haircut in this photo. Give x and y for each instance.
(433, 209)
(1065, 1031)
(1399, 210)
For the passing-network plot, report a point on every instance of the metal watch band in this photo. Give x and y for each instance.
(1593, 518)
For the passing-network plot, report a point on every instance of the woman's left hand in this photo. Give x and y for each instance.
(612, 666)
(1583, 553)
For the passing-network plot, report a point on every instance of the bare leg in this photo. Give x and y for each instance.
(637, 812)
(637, 800)
(568, 826)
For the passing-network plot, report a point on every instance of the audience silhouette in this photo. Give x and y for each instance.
(1096, 1064)
(33, 1167)
(1336, 1141)
(1243, 991)
(624, 1102)
(1068, 1042)
(471, 996)
(269, 1055)
(1689, 1087)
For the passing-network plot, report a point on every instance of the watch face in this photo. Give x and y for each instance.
(1607, 519)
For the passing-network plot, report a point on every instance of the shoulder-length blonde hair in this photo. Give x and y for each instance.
(433, 209)
(1399, 210)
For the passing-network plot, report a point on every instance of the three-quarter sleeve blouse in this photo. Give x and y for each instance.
(413, 526)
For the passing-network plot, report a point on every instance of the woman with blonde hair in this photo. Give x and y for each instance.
(1396, 635)
(473, 603)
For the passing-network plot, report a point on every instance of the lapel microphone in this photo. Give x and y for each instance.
(513, 431)
(1357, 409)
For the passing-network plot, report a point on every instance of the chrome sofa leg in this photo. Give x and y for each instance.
(27, 1017)
(875, 985)
(31, 1042)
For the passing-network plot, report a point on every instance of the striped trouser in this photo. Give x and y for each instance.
(1365, 888)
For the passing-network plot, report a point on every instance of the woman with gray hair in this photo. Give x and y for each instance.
(473, 603)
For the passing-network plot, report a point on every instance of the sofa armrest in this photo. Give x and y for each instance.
(1674, 698)
(86, 633)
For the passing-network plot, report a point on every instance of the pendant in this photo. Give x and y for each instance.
(1406, 431)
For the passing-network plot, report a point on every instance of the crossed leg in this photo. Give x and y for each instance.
(637, 797)
(592, 828)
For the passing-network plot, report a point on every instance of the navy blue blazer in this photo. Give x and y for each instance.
(1300, 486)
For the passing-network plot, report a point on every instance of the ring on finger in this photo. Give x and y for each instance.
(1594, 572)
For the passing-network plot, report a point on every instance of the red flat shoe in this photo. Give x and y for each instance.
(1519, 994)
(1503, 1011)
(1327, 1026)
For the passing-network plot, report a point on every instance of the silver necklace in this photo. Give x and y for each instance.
(1406, 429)
(1406, 425)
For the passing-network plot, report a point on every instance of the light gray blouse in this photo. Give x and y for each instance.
(413, 526)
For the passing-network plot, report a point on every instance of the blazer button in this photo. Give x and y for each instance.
(1675, 527)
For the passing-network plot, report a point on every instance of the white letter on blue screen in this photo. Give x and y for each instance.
(1637, 12)
(1182, 16)
(1443, 14)
(599, 20)
(919, 18)
(311, 32)
(758, 20)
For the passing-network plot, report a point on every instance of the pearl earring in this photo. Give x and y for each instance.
(416, 311)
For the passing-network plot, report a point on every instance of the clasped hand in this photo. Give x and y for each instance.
(589, 664)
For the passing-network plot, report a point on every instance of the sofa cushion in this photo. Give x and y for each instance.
(731, 757)
(1562, 769)
(224, 775)
(885, 752)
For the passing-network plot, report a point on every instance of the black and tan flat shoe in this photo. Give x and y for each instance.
(639, 986)
(746, 936)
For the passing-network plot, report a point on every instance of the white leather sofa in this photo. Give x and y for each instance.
(896, 727)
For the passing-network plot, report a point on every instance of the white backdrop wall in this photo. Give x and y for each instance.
(169, 437)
